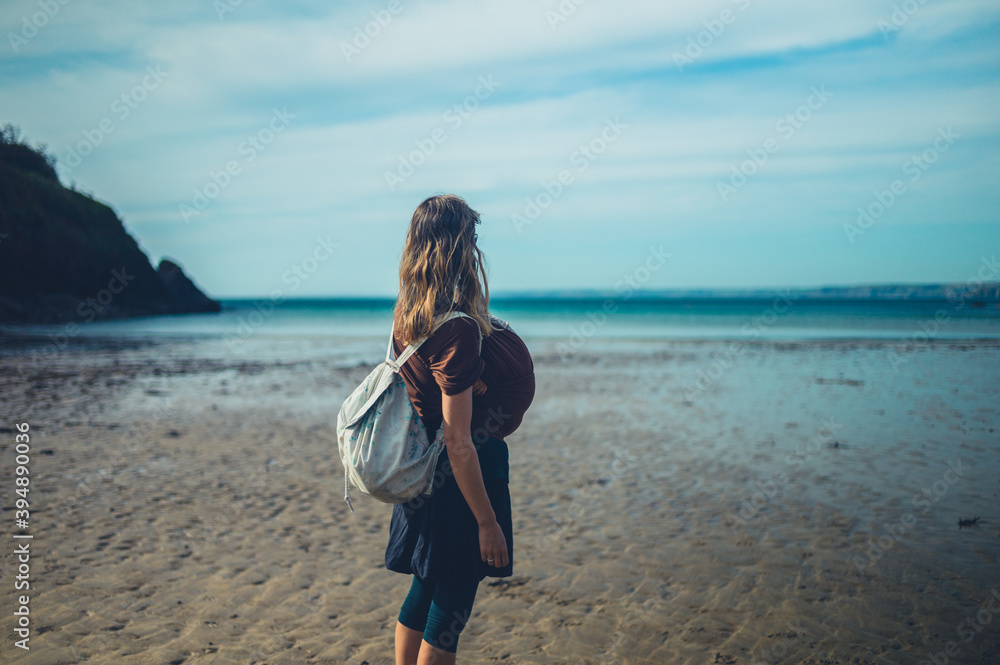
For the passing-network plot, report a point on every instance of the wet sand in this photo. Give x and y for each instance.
(674, 502)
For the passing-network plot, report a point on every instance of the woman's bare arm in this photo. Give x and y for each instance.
(457, 411)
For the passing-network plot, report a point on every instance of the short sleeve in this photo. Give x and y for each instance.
(454, 357)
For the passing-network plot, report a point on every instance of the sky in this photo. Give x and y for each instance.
(282, 147)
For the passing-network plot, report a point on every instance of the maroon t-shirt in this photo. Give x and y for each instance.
(450, 361)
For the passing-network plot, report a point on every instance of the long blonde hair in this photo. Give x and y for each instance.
(442, 269)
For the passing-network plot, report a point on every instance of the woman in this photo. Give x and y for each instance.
(474, 376)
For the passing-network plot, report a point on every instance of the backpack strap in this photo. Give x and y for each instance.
(397, 364)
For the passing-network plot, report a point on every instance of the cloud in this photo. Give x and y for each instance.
(559, 81)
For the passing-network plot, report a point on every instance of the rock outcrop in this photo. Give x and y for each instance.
(182, 290)
(67, 257)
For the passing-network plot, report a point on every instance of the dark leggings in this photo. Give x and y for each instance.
(438, 609)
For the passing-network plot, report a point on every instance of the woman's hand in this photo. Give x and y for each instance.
(493, 545)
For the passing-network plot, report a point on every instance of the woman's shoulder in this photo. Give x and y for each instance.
(461, 331)
(458, 326)
(453, 355)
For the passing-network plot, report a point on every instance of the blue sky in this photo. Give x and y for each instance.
(739, 136)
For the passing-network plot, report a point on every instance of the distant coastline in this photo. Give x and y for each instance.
(986, 292)
(948, 292)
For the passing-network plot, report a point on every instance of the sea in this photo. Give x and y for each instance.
(361, 326)
(352, 331)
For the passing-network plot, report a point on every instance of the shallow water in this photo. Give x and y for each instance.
(675, 501)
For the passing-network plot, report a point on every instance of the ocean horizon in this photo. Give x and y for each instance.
(780, 316)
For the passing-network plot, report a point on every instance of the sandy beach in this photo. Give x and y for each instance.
(674, 503)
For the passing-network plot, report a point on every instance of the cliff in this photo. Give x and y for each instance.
(67, 257)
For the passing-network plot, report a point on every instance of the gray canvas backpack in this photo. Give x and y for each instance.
(384, 446)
